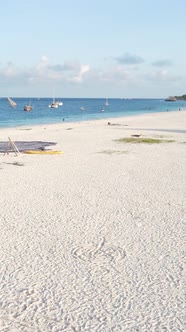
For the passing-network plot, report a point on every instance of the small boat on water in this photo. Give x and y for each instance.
(82, 108)
(59, 103)
(102, 109)
(28, 108)
(54, 104)
(107, 103)
(12, 102)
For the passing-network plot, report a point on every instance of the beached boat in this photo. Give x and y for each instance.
(12, 102)
(171, 98)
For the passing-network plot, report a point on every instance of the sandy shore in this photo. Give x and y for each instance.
(92, 240)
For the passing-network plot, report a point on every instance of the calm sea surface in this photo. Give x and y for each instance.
(79, 109)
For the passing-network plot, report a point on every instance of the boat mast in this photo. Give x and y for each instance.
(53, 97)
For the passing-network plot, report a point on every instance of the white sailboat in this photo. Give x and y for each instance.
(53, 104)
(107, 103)
(28, 108)
(59, 103)
(12, 102)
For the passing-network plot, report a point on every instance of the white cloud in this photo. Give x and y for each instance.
(163, 75)
(9, 71)
(46, 73)
(44, 62)
(83, 70)
(67, 72)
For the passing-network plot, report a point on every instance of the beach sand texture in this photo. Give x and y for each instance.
(93, 240)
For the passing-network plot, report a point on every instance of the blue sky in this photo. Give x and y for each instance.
(92, 48)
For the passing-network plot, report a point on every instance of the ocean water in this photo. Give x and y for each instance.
(72, 111)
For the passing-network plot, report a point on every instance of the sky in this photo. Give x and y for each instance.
(92, 48)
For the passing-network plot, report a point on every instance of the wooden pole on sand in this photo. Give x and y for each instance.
(11, 144)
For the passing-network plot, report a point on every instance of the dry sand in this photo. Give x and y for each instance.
(93, 240)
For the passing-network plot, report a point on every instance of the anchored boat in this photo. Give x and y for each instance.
(54, 104)
(28, 108)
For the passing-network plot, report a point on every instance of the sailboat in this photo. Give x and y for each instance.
(12, 102)
(59, 103)
(107, 103)
(53, 104)
(28, 108)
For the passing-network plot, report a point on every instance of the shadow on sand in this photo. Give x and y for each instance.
(26, 145)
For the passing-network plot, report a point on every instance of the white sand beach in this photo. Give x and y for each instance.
(93, 239)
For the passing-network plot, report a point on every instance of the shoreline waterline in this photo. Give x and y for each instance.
(111, 120)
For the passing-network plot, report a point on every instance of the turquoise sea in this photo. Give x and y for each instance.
(78, 109)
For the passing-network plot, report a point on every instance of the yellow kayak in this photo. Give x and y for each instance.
(43, 152)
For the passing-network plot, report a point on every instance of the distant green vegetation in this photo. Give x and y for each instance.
(143, 140)
(183, 97)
